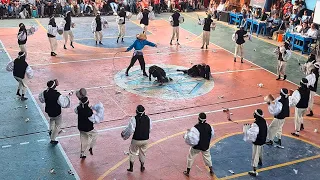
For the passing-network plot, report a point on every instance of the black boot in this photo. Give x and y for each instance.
(18, 92)
(206, 46)
(118, 40)
(187, 172)
(171, 42)
(96, 42)
(122, 40)
(142, 168)
(201, 47)
(301, 127)
(260, 162)
(131, 167)
(253, 173)
(91, 152)
(278, 77)
(100, 43)
(278, 142)
(284, 77)
(64, 47)
(235, 59)
(241, 60)
(310, 114)
(211, 171)
(178, 43)
(71, 45)
(145, 74)
(23, 98)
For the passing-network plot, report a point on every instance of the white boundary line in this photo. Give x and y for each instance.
(47, 124)
(169, 119)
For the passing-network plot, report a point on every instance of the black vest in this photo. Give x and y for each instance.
(123, 15)
(25, 41)
(285, 111)
(51, 99)
(262, 135)
(142, 128)
(207, 24)
(99, 25)
(175, 18)
(205, 136)
(315, 86)
(304, 100)
(145, 18)
(84, 124)
(67, 25)
(19, 67)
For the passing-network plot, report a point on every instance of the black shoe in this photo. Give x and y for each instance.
(253, 173)
(170, 42)
(278, 78)
(82, 156)
(64, 47)
(18, 93)
(235, 59)
(100, 43)
(118, 40)
(310, 114)
(54, 53)
(127, 74)
(178, 43)
(23, 98)
(294, 134)
(206, 46)
(269, 143)
(186, 173)
(284, 77)
(241, 60)
(260, 162)
(145, 74)
(201, 47)
(142, 168)
(278, 142)
(71, 45)
(90, 150)
(54, 142)
(131, 167)
(122, 40)
(96, 42)
(301, 127)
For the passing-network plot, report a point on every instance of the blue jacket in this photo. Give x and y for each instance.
(139, 45)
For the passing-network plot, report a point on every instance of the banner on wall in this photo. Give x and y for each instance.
(257, 3)
(317, 13)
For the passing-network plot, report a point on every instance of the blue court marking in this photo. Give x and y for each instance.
(234, 154)
(182, 86)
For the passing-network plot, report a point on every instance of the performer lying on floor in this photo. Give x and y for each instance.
(159, 73)
(199, 70)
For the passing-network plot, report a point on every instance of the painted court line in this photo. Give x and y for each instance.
(167, 119)
(6, 146)
(47, 124)
(24, 143)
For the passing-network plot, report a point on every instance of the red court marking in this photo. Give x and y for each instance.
(74, 69)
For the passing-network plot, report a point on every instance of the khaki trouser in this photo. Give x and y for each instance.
(66, 34)
(281, 68)
(23, 48)
(88, 140)
(55, 125)
(53, 44)
(275, 129)
(298, 117)
(205, 38)
(98, 35)
(239, 47)
(311, 100)
(22, 85)
(138, 148)
(205, 155)
(256, 154)
(144, 28)
(122, 30)
(175, 33)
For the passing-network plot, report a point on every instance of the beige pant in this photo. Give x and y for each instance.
(88, 140)
(22, 85)
(239, 47)
(257, 152)
(281, 68)
(175, 33)
(275, 129)
(122, 30)
(298, 118)
(138, 148)
(53, 44)
(144, 28)
(67, 34)
(205, 38)
(55, 125)
(205, 155)
(98, 35)
(23, 48)
(311, 100)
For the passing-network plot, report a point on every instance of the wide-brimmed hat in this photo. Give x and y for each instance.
(81, 93)
(142, 36)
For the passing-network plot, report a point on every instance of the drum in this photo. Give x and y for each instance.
(60, 30)
(128, 15)
(125, 134)
(119, 20)
(181, 19)
(269, 98)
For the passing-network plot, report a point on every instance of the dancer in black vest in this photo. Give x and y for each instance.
(284, 54)
(121, 24)
(280, 109)
(52, 33)
(203, 132)
(144, 16)
(300, 99)
(23, 36)
(174, 20)
(313, 85)
(159, 73)
(54, 101)
(86, 121)
(20, 69)
(67, 32)
(97, 25)
(140, 125)
(207, 26)
(238, 37)
(259, 130)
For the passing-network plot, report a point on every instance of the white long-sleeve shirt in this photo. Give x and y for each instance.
(129, 130)
(52, 30)
(192, 137)
(96, 117)
(295, 98)
(250, 135)
(311, 79)
(276, 107)
(63, 101)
